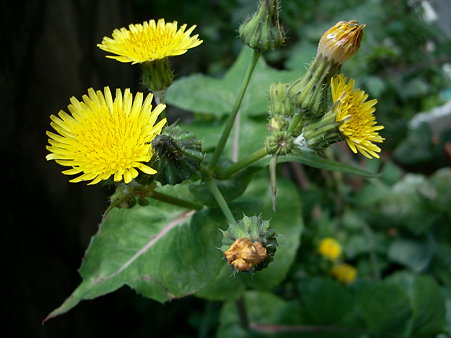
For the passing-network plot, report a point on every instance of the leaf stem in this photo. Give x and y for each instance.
(221, 201)
(230, 120)
(243, 163)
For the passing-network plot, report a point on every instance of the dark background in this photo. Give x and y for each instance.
(49, 55)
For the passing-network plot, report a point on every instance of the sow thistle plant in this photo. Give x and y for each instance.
(193, 231)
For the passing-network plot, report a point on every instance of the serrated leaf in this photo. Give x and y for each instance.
(161, 250)
(204, 94)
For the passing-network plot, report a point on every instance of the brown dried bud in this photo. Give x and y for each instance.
(244, 254)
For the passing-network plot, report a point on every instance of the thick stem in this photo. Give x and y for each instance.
(241, 164)
(231, 119)
(221, 201)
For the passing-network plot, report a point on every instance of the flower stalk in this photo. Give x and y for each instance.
(231, 119)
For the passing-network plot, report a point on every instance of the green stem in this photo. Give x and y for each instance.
(241, 164)
(158, 196)
(221, 201)
(231, 119)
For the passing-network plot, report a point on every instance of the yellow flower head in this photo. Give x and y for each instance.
(341, 41)
(345, 273)
(104, 137)
(358, 124)
(149, 41)
(330, 248)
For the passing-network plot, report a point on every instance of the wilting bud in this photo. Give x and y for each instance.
(341, 41)
(262, 31)
(178, 155)
(279, 143)
(157, 75)
(249, 244)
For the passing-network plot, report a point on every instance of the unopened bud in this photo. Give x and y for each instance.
(279, 102)
(341, 41)
(178, 155)
(279, 143)
(262, 31)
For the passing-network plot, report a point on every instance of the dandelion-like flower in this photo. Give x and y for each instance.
(149, 41)
(104, 137)
(341, 41)
(345, 273)
(358, 124)
(330, 248)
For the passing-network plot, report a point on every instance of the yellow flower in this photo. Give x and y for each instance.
(149, 41)
(358, 124)
(104, 137)
(345, 273)
(330, 248)
(341, 41)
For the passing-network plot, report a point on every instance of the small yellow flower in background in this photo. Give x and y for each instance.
(358, 123)
(149, 41)
(345, 273)
(104, 137)
(330, 248)
(341, 41)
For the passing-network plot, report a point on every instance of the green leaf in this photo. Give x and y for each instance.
(416, 255)
(327, 302)
(287, 222)
(316, 161)
(385, 308)
(162, 251)
(427, 303)
(230, 189)
(204, 94)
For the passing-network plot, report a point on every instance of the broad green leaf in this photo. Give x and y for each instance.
(416, 255)
(204, 94)
(385, 308)
(328, 302)
(230, 189)
(163, 251)
(427, 303)
(249, 137)
(287, 222)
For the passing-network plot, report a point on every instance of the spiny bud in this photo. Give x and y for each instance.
(249, 244)
(341, 41)
(262, 31)
(178, 155)
(279, 143)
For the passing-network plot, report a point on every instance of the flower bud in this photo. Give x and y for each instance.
(280, 103)
(341, 41)
(178, 155)
(249, 244)
(279, 143)
(262, 31)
